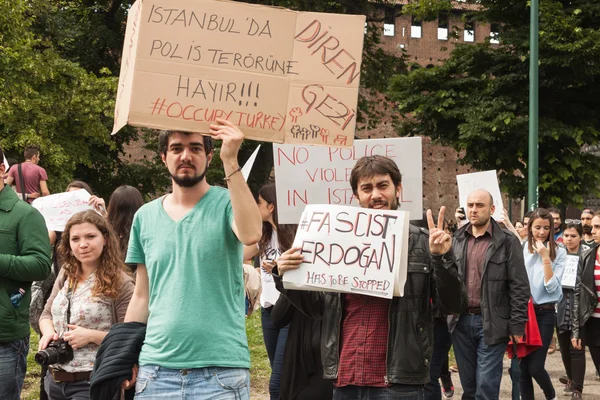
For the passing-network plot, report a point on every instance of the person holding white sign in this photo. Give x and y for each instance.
(275, 239)
(586, 307)
(374, 347)
(545, 263)
(573, 359)
(490, 261)
(189, 289)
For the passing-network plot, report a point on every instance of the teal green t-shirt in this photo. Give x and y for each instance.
(196, 285)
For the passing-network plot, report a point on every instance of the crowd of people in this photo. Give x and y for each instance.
(148, 300)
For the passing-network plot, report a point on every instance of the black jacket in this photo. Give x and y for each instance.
(115, 358)
(504, 284)
(302, 374)
(585, 291)
(410, 335)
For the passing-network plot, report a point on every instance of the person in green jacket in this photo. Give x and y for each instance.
(24, 258)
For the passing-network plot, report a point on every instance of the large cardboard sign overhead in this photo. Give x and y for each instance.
(351, 250)
(486, 180)
(282, 76)
(318, 175)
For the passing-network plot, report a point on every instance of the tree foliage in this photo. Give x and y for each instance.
(478, 100)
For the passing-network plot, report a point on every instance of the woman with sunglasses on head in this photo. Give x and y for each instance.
(586, 307)
(90, 294)
(573, 359)
(545, 264)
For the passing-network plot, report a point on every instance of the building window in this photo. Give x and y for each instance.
(389, 22)
(442, 31)
(494, 34)
(415, 29)
(469, 32)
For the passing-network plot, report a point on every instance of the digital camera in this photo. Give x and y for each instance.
(57, 352)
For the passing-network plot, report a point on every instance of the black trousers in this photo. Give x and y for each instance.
(573, 360)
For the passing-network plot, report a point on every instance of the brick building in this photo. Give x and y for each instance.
(429, 43)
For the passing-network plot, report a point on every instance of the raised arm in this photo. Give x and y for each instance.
(247, 223)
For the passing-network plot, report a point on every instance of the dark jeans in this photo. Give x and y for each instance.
(396, 391)
(13, 365)
(66, 390)
(533, 366)
(573, 360)
(439, 359)
(275, 340)
(479, 365)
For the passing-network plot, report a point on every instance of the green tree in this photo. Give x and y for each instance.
(477, 101)
(50, 101)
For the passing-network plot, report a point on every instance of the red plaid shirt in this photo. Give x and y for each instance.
(363, 340)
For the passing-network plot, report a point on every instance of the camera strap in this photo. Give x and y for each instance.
(70, 290)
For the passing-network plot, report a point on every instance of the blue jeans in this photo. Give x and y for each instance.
(441, 345)
(13, 365)
(275, 340)
(212, 383)
(480, 365)
(396, 391)
(532, 366)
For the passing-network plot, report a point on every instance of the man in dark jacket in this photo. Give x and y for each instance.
(491, 263)
(381, 348)
(24, 258)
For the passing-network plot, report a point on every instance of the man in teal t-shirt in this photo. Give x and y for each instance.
(189, 286)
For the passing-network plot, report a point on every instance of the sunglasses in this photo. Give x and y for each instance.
(573, 221)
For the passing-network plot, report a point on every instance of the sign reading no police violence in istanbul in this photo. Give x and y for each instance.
(280, 75)
(351, 250)
(317, 175)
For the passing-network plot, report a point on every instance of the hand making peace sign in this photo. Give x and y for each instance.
(439, 241)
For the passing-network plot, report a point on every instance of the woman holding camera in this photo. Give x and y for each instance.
(90, 294)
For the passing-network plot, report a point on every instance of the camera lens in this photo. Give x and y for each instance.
(42, 357)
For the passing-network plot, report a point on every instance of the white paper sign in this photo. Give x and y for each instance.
(58, 208)
(320, 175)
(487, 180)
(249, 164)
(6, 165)
(351, 250)
(569, 277)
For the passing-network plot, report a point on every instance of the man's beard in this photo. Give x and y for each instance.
(480, 222)
(587, 229)
(189, 181)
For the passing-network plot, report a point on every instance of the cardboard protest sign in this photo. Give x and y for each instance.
(58, 208)
(351, 250)
(322, 175)
(280, 75)
(487, 180)
(569, 277)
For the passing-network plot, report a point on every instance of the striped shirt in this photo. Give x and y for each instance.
(596, 313)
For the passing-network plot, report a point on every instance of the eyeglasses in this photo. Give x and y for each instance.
(573, 221)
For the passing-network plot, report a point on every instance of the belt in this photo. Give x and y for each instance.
(64, 376)
(474, 310)
(545, 307)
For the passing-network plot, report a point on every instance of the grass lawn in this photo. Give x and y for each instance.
(259, 372)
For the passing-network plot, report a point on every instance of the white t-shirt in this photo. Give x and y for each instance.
(269, 294)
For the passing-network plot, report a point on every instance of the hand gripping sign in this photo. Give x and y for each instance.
(351, 250)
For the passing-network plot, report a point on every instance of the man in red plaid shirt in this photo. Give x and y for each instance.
(374, 348)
